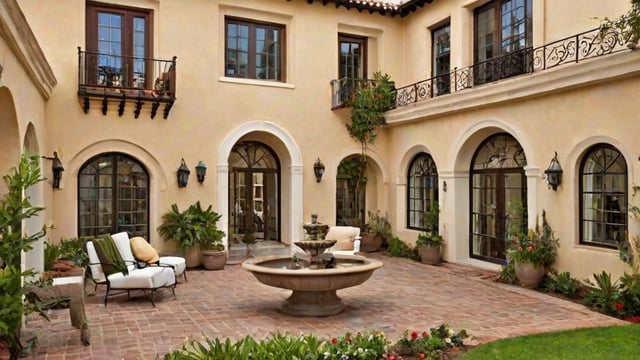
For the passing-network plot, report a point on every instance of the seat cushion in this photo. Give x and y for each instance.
(345, 235)
(151, 277)
(178, 263)
(143, 251)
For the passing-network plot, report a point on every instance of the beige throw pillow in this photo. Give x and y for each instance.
(143, 251)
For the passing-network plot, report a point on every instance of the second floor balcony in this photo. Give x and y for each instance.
(126, 81)
(574, 49)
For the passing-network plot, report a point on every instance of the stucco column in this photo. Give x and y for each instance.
(295, 220)
(454, 214)
(223, 207)
(533, 176)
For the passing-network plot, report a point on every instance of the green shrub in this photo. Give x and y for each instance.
(605, 295)
(563, 283)
(399, 248)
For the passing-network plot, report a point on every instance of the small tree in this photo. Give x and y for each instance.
(368, 105)
(14, 209)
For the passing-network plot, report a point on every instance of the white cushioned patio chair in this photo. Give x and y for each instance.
(142, 251)
(120, 274)
(348, 240)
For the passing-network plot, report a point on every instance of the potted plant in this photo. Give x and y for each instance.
(532, 252)
(193, 229)
(428, 245)
(210, 237)
(378, 231)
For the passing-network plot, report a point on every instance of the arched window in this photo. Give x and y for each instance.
(422, 190)
(603, 196)
(113, 196)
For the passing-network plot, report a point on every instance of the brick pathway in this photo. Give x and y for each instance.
(403, 295)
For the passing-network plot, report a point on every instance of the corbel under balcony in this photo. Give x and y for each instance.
(121, 82)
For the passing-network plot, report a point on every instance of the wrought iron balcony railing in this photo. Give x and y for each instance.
(126, 79)
(343, 89)
(573, 49)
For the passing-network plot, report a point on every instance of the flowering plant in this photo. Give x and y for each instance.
(431, 344)
(538, 246)
(357, 347)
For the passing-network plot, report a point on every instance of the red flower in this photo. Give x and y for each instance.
(414, 335)
(633, 319)
(530, 249)
(421, 355)
(425, 334)
(619, 306)
(455, 349)
(334, 341)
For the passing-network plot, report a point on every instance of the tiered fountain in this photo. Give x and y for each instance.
(314, 276)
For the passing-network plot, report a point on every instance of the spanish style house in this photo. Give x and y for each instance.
(493, 99)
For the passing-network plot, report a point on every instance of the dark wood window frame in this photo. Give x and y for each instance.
(117, 205)
(251, 65)
(612, 202)
(362, 41)
(428, 175)
(518, 61)
(129, 14)
(441, 83)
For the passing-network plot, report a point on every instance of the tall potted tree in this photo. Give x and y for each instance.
(368, 104)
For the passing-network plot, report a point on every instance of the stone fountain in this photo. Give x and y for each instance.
(314, 276)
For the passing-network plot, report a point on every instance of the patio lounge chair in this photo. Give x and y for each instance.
(348, 240)
(143, 251)
(127, 275)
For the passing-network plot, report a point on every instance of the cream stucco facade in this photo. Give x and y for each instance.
(565, 109)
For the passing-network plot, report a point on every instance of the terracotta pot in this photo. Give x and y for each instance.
(192, 256)
(429, 254)
(370, 242)
(529, 275)
(214, 259)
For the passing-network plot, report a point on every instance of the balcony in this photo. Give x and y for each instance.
(573, 49)
(126, 80)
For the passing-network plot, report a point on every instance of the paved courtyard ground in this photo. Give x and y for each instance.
(403, 295)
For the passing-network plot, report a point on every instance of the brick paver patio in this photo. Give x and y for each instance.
(403, 295)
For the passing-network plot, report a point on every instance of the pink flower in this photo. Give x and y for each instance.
(530, 249)
(421, 355)
(519, 248)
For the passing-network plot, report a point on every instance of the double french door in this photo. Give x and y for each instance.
(253, 192)
(498, 196)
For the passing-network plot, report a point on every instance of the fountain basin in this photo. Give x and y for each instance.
(314, 288)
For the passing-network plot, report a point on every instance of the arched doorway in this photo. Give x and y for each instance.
(254, 192)
(113, 196)
(498, 192)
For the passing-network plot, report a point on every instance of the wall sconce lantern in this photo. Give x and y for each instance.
(318, 170)
(201, 171)
(554, 173)
(183, 174)
(56, 169)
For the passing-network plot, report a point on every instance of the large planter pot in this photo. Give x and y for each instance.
(214, 259)
(529, 275)
(192, 256)
(370, 242)
(429, 254)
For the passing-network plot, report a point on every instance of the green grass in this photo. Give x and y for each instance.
(615, 342)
